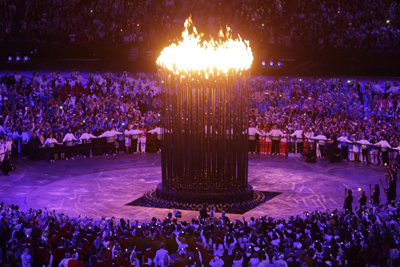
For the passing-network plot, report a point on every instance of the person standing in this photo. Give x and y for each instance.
(26, 258)
(262, 140)
(160, 254)
(5, 165)
(128, 139)
(384, 145)
(311, 155)
(362, 199)
(34, 144)
(321, 144)
(142, 140)
(275, 134)
(391, 191)
(298, 134)
(68, 140)
(49, 143)
(364, 149)
(110, 138)
(253, 131)
(86, 139)
(348, 202)
(344, 146)
(268, 144)
(375, 150)
(283, 148)
(2, 150)
(355, 149)
(135, 139)
(376, 196)
(393, 241)
(159, 131)
(203, 212)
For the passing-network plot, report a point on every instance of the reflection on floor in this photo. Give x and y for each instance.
(102, 186)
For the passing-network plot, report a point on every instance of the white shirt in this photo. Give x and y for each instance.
(364, 143)
(254, 131)
(64, 262)
(218, 251)
(87, 136)
(376, 89)
(216, 262)
(25, 137)
(157, 130)
(8, 146)
(97, 78)
(280, 263)
(320, 137)
(110, 133)
(160, 255)
(383, 143)
(134, 133)
(50, 141)
(298, 134)
(343, 139)
(275, 133)
(394, 90)
(69, 137)
(26, 260)
(254, 262)
(17, 77)
(238, 263)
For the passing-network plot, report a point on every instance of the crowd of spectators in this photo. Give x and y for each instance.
(62, 112)
(357, 115)
(110, 21)
(371, 24)
(66, 113)
(8, 10)
(369, 236)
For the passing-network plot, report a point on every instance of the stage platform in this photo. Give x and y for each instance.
(103, 185)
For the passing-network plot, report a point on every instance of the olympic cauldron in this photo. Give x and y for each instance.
(205, 117)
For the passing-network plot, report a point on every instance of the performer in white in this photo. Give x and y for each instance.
(344, 145)
(276, 135)
(320, 145)
(299, 139)
(142, 139)
(69, 139)
(86, 141)
(364, 149)
(110, 136)
(131, 138)
(2, 150)
(252, 131)
(49, 143)
(159, 132)
(384, 152)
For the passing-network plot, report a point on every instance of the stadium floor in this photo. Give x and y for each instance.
(103, 185)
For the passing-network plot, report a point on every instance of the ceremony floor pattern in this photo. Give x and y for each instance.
(103, 185)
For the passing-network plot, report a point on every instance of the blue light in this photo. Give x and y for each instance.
(263, 63)
(18, 58)
(279, 64)
(9, 58)
(271, 63)
(26, 58)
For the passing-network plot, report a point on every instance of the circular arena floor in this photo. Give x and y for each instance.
(102, 186)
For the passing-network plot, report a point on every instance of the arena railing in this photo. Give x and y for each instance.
(101, 146)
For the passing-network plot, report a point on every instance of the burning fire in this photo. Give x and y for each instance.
(191, 54)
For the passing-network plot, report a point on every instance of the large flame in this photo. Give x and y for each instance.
(191, 54)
